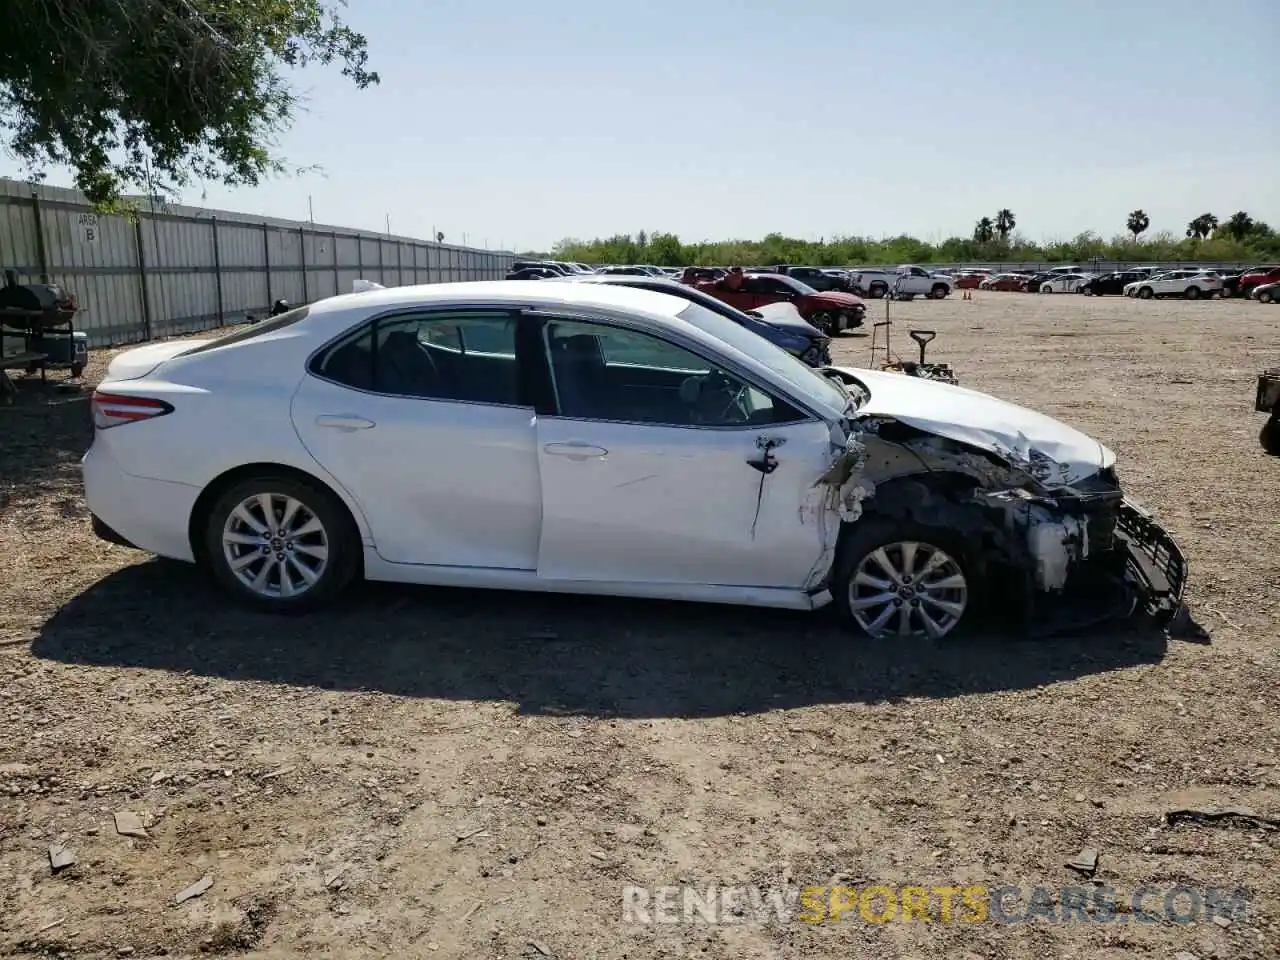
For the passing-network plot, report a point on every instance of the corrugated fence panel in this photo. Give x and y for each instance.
(191, 282)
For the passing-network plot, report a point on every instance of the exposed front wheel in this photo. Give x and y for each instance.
(1193, 293)
(1264, 296)
(899, 579)
(281, 544)
(939, 291)
(824, 321)
(1146, 293)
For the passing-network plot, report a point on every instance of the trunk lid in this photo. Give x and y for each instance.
(140, 361)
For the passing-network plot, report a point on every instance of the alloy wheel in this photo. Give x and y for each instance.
(275, 545)
(908, 589)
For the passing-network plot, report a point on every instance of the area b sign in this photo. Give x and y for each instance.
(89, 227)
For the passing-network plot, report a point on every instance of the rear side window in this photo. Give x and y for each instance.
(464, 356)
(251, 330)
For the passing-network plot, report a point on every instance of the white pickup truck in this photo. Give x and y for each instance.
(906, 280)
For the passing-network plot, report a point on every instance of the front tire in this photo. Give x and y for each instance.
(1270, 435)
(281, 544)
(878, 290)
(1192, 293)
(1146, 293)
(1264, 296)
(940, 290)
(904, 579)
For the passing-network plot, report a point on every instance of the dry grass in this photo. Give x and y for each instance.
(322, 770)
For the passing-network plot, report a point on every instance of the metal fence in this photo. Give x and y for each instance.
(176, 269)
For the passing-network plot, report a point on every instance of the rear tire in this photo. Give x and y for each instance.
(1270, 435)
(878, 290)
(310, 539)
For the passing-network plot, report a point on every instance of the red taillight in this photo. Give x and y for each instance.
(113, 409)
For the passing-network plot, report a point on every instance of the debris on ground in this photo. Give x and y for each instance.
(60, 858)
(197, 889)
(130, 825)
(1086, 861)
(1228, 817)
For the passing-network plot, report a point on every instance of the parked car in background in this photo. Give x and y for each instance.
(1266, 292)
(585, 438)
(1111, 284)
(970, 279)
(1192, 284)
(1007, 282)
(698, 274)
(830, 311)
(1256, 278)
(799, 338)
(907, 279)
(1065, 283)
(820, 278)
(534, 273)
(630, 270)
(554, 266)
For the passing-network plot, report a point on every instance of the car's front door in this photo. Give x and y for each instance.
(659, 467)
(421, 417)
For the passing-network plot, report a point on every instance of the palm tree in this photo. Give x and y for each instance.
(1202, 226)
(984, 231)
(1138, 222)
(1005, 223)
(1239, 226)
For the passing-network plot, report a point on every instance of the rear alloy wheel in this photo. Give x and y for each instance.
(281, 544)
(1193, 293)
(878, 290)
(1146, 293)
(939, 291)
(903, 580)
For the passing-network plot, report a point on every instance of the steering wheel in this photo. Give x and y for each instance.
(715, 398)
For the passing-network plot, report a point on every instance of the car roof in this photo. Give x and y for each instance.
(646, 310)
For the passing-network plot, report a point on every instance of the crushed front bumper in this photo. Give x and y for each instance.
(1157, 569)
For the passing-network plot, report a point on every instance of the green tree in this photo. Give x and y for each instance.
(1239, 226)
(665, 250)
(1202, 226)
(984, 231)
(1138, 223)
(1005, 223)
(157, 92)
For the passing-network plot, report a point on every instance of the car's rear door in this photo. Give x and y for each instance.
(422, 416)
(646, 467)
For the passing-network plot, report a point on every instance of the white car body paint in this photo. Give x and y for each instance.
(484, 495)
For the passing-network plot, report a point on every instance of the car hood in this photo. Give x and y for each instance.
(835, 298)
(784, 316)
(1016, 434)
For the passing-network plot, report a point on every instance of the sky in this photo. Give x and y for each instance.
(514, 125)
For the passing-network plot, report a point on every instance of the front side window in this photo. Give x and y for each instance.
(463, 356)
(601, 372)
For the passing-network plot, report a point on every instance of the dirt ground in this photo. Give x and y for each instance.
(443, 773)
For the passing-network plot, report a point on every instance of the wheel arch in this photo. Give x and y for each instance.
(227, 479)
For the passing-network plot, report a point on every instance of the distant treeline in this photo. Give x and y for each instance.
(1262, 244)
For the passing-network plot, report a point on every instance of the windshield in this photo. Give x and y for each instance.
(823, 395)
(794, 284)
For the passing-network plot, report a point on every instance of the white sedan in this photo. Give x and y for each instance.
(589, 438)
(1192, 284)
(1066, 283)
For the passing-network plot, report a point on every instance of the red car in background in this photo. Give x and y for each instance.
(1257, 277)
(1014, 282)
(830, 311)
(969, 279)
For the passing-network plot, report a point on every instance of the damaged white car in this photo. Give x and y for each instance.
(587, 438)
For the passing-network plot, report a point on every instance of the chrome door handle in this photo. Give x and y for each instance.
(574, 450)
(344, 421)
